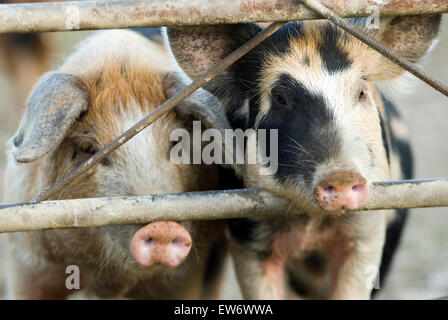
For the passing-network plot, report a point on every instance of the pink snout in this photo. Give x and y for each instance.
(341, 190)
(163, 242)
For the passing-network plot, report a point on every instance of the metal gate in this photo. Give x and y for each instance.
(89, 15)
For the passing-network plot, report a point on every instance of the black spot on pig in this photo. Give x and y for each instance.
(255, 235)
(244, 230)
(305, 129)
(247, 71)
(384, 137)
(334, 58)
(395, 229)
(399, 146)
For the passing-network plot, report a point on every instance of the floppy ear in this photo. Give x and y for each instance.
(409, 36)
(55, 103)
(196, 49)
(201, 105)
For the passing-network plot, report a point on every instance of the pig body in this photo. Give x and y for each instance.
(112, 80)
(315, 85)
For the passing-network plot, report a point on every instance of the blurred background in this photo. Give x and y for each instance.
(420, 269)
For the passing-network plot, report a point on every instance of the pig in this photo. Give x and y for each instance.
(316, 85)
(112, 80)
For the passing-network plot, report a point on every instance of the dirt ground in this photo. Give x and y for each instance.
(420, 270)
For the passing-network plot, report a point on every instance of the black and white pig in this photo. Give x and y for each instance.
(316, 85)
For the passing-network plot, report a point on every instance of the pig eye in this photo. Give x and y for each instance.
(362, 95)
(84, 152)
(279, 99)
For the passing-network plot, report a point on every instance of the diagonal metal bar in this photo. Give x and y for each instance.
(374, 44)
(156, 114)
(228, 204)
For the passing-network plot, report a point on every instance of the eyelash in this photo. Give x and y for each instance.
(89, 149)
(84, 152)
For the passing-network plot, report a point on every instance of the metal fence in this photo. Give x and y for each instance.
(86, 15)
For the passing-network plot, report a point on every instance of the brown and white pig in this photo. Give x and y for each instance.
(113, 79)
(316, 85)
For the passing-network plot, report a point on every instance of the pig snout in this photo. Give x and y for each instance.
(163, 242)
(341, 190)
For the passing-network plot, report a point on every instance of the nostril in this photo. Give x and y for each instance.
(162, 242)
(179, 242)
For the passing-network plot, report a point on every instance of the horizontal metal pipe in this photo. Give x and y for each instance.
(89, 15)
(196, 206)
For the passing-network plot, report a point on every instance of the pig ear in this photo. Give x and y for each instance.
(55, 103)
(196, 49)
(409, 36)
(201, 105)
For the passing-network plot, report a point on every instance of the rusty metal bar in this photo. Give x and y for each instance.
(89, 15)
(325, 12)
(157, 113)
(194, 206)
